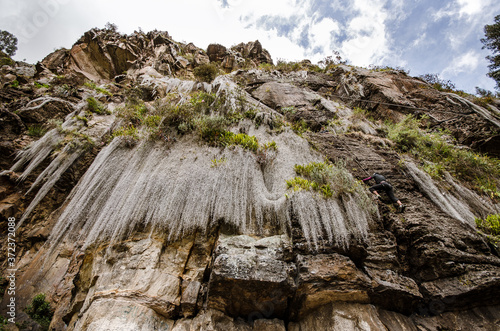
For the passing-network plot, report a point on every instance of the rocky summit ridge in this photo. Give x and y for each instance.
(159, 186)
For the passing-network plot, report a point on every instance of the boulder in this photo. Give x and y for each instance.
(253, 50)
(216, 52)
(326, 278)
(252, 278)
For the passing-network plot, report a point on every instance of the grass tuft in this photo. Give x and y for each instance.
(36, 130)
(480, 172)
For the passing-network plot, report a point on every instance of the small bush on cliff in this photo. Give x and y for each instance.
(329, 180)
(40, 311)
(96, 107)
(206, 72)
(491, 227)
(94, 86)
(36, 130)
(241, 139)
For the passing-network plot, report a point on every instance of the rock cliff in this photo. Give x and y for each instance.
(146, 198)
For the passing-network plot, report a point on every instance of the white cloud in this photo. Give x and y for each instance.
(462, 64)
(321, 32)
(367, 43)
(464, 9)
(471, 7)
(420, 40)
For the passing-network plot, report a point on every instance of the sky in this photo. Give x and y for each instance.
(420, 36)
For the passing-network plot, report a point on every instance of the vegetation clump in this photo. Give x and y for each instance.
(41, 85)
(204, 114)
(40, 311)
(94, 86)
(491, 227)
(438, 154)
(241, 139)
(206, 72)
(36, 130)
(330, 180)
(96, 107)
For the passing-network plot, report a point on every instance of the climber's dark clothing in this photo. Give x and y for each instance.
(382, 185)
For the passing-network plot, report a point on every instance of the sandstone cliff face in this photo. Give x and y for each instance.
(163, 229)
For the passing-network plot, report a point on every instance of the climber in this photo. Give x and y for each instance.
(382, 184)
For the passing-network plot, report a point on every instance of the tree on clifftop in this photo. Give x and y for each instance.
(492, 42)
(8, 43)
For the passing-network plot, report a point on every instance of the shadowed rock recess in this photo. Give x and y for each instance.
(159, 186)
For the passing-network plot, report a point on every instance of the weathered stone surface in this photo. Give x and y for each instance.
(474, 287)
(394, 291)
(189, 298)
(326, 278)
(120, 315)
(268, 325)
(296, 103)
(216, 52)
(341, 316)
(251, 277)
(481, 318)
(253, 50)
(211, 320)
(345, 316)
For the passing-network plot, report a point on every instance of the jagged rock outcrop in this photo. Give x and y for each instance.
(131, 216)
(393, 94)
(242, 55)
(104, 54)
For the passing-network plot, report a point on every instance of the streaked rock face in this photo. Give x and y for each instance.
(177, 234)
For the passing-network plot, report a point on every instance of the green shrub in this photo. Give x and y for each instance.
(14, 84)
(38, 85)
(40, 311)
(288, 66)
(127, 131)
(491, 227)
(93, 86)
(84, 119)
(387, 68)
(96, 107)
(133, 113)
(266, 66)
(5, 60)
(359, 113)
(36, 130)
(241, 139)
(270, 146)
(211, 129)
(152, 121)
(206, 72)
(483, 101)
(250, 114)
(299, 127)
(330, 180)
(298, 184)
(128, 135)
